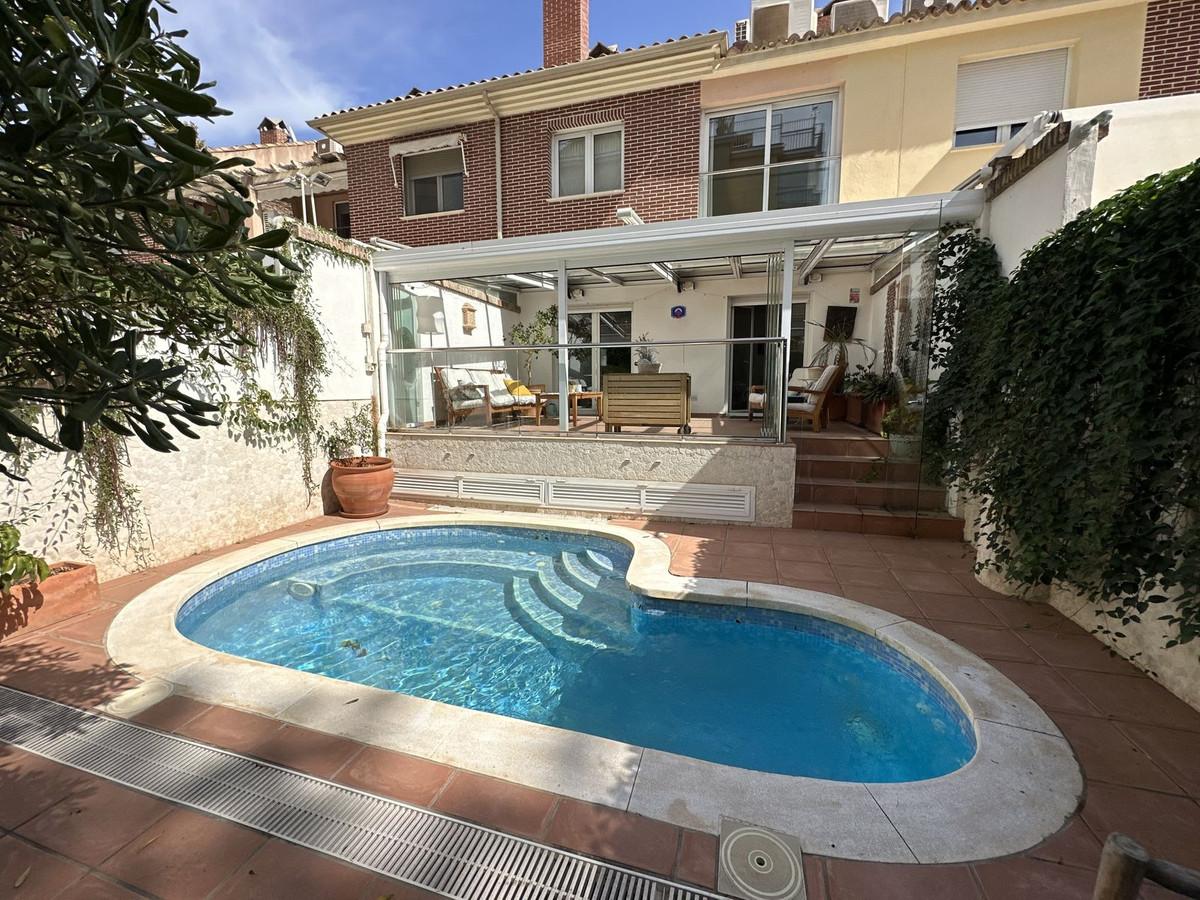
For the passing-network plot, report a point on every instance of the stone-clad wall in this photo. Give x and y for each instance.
(769, 468)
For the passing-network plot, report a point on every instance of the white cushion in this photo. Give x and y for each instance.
(802, 407)
(805, 377)
(460, 405)
(758, 399)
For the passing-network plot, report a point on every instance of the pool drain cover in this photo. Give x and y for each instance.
(759, 864)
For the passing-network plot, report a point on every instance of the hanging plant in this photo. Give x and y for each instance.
(1070, 402)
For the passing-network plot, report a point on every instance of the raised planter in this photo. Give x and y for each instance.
(854, 409)
(872, 416)
(71, 589)
(362, 485)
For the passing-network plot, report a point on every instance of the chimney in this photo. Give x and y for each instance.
(564, 32)
(274, 131)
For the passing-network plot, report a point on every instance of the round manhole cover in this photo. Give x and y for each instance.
(759, 865)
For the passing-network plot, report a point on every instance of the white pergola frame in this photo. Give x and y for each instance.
(778, 231)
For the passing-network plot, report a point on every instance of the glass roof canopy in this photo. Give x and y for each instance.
(847, 235)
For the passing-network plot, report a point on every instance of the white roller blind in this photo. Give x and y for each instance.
(1010, 89)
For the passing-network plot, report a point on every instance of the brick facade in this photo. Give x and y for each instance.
(564, 31)
(1171, 54)
(662, 159)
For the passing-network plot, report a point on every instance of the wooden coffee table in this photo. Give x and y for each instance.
(576, 396)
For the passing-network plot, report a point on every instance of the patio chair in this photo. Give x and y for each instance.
(802, 379)
(469, 390)
(805, 404)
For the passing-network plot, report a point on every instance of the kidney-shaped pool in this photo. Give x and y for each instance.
(539, 625)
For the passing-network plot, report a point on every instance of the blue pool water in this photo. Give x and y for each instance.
(539, 625)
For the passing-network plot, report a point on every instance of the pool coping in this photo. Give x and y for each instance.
(1022, 785)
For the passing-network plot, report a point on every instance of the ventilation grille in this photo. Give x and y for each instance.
(434, 852)
(725, 502)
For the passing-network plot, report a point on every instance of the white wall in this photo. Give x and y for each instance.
(221, 488)
(1145, 137)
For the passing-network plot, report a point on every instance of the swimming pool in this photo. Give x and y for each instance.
(539, 625)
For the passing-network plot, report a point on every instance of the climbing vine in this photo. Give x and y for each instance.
(1070, 402)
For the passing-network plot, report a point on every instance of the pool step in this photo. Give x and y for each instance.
(601, 609)
(544, 624)
(577, 572)
(599, 563)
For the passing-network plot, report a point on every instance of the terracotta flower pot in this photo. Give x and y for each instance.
(71, 589)
(362, 485)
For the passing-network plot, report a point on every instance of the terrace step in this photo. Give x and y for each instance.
(876, 520)
(854, 468)
(882, 494)
(842, 444)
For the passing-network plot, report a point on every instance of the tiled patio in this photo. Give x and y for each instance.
(66, 834)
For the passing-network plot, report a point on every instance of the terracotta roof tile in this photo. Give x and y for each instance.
(417, 92)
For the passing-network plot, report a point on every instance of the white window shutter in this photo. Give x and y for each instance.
(1010, 89)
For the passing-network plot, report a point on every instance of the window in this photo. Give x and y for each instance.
(996, 97)
(433, 182)
(341, 219)
(778, 156)
(588, 162)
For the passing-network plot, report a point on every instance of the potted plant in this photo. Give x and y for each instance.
(880, 392)
(541, 330)
(361, 481)
(902, 428)
(647, 356)
(30, 589)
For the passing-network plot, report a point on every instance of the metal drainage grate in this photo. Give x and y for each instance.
(432, 851)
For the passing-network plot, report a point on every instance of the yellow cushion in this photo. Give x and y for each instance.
(516, 388)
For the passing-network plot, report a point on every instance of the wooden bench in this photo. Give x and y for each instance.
(663, 400)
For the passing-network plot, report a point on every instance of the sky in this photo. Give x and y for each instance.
(302, 58)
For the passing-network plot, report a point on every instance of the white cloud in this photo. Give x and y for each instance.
(255, 53)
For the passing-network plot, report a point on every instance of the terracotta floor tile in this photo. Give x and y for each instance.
(1176, 752)
(987, 641)
(1076, 651)
(949, 608)
(1108, 755)
(849, 880)
(96, 887)
(41, 874)
(749, 569)
(912, 562)
(171, 713)
(867, 576)
(395, 775)
(796, 537)
(307, 751)
(816, 882)
(854, 556)
(389, 889)
(122, 590)
(1075, 845)
(1133, 699)
(973, 586)
(1046, 686)
(799, 553)
(928, 582)
(748, 551)
(713, 532)
(806, 584)
(698, 546)
(805, 571)
(894, 601)
(612, 834)
(848, 539)
(95, 822)
(230, 729)
(30, 784)
(90, 628)
(63, 670)
(1166, 826)
(497, 804)
(1021, 614)
(698, 568)
(184, 855)
(1021, 879)
(697, 859)
(282, 870)
(748, 534)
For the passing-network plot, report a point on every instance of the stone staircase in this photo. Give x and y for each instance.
(845, 481)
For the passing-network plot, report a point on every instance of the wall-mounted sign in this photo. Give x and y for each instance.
(855, 295)
(678, 312)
